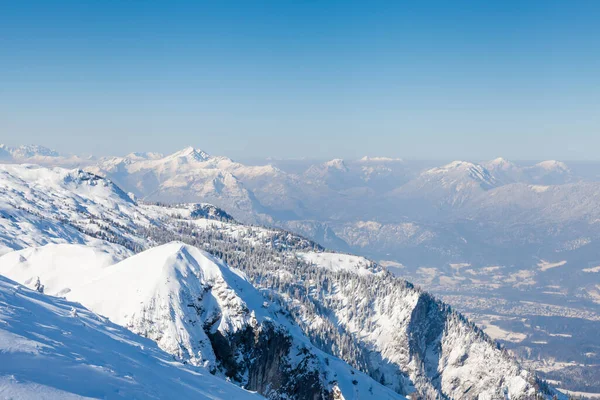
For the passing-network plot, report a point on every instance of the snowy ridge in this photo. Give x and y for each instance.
(411, 340)
(51, 348)
(336, 163)
(341, 262)
(553, 165)
(168, 294)
(40, 206)
(550, 172)
(189, 153)
(189, 211)
(56, 269)
(321, 171)
(505, 171)
(28, 151)
(447, 187)
(367, 159)
(461, 174)
(144, 155)
(199, 310)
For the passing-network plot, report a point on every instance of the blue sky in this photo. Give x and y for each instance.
(316, 79)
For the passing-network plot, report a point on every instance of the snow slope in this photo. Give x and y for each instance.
(185, 300)
(51, 348)
(55, 269)
(341, 262)
(549, 172)
(41, 205)
(160, 294)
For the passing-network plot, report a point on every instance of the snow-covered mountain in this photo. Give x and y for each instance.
(329, 170)
(382, 173)
(25, 152)
(271, 331)
(448, 186)
(36, 154)
(504, 171)
(40, 205)
(421, 219)
(367, 173)
(203, 313)
(370, 189)
(550, 172)
(51, 348)
(189, 175)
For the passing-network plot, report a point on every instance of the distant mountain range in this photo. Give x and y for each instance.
(36, 154)
(384, 208)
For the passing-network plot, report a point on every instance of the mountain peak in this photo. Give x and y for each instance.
(457, 164)
(28, 151)
(367, 159)
(336, 163)
(144, 155)
(166, 259)
(499, 163)
(553, 165)
(158, 285)
(60, 349)
(191, 152)
(460, 172)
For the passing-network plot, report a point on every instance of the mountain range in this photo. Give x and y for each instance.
(478, 234)
(261, 308)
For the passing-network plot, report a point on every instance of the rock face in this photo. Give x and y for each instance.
(264, 353)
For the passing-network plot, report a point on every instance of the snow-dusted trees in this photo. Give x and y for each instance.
(343, 312)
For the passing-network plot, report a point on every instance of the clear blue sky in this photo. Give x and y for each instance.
(423, 79)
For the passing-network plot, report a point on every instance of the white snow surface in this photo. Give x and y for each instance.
(59, 267)
(461, 174)
(341, 262)
(51, 348)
